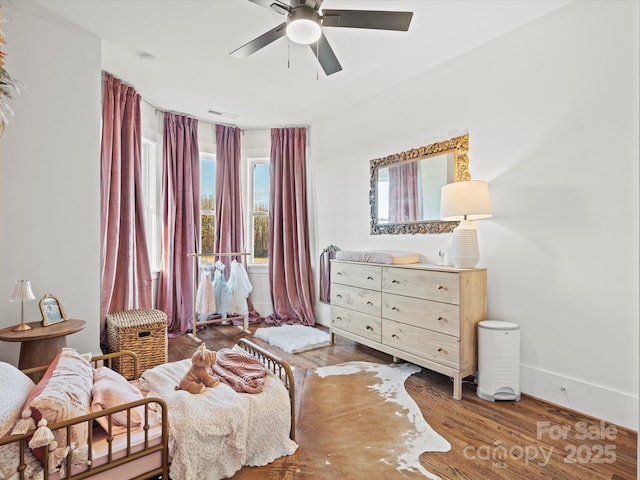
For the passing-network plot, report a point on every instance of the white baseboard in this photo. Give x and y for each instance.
(263, 308)
(323, 314)
(613, 406)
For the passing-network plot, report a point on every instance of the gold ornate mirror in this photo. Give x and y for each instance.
(405, 187)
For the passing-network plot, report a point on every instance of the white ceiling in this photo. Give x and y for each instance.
(282, 84)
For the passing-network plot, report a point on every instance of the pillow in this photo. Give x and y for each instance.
(110, 389)
(16, 387)
(64, 392)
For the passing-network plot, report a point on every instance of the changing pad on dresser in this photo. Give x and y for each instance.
(379, 256)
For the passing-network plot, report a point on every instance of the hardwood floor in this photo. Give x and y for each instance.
(529, 439)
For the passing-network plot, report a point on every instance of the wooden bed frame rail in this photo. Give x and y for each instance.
(153, 407)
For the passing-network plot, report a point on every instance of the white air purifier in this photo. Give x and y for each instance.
(498, 361)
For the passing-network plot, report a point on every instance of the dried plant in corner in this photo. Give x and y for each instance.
(9, 86)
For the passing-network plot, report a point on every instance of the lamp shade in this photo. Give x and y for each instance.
(22, 292)
(465, 201)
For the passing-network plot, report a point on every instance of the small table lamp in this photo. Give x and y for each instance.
(21, 293)
(465, 202)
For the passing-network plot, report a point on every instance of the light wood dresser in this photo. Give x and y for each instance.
(421, 313)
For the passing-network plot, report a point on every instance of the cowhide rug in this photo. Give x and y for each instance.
(356, 421)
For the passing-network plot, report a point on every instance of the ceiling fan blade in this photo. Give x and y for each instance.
(280, 6)
(262, 41)
(285, 6)
(324, 53)
(374, 19)
(315, 4)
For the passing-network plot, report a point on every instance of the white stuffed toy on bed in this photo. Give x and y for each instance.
(214, 434)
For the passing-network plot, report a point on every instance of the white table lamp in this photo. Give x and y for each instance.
(465, 202)
(21, 293)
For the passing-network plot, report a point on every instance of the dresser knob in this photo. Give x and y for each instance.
(369, 302)
(339, 273)
(393, 335)
(339, 296)
(338, 317)
(395, 308)
(441, 287)
(440, 349)
(369, 327)
(369, 278)
(440, 319)
(395, 281)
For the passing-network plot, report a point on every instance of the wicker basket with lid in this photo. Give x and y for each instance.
(143, 331)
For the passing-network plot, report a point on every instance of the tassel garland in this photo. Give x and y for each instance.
(42, 437)
(80, 456)
(25, 424)
(56, 458)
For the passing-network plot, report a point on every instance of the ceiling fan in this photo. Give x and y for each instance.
(304, 22)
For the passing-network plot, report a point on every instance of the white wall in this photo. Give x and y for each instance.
(552, 115)
(50, 174)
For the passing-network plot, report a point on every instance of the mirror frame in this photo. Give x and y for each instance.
(459, 146)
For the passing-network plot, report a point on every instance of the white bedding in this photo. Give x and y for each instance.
(214, 434)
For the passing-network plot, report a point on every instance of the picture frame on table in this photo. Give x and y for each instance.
(52, 311)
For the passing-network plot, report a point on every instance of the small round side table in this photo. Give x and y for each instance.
(40, 345)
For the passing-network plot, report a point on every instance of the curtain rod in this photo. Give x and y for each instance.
(203, 120)
(104, 72)
(158, 109)
(229, 254)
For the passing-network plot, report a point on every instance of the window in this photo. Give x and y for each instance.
(259, 202)
(151, 191)
(207, 202)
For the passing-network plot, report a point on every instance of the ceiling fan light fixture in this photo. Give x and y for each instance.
(304, 26)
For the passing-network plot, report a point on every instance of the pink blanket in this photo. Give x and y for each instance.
(240, 371)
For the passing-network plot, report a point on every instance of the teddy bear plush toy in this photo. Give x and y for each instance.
(198, 378)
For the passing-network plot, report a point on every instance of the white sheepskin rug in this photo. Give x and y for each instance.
(294, 338)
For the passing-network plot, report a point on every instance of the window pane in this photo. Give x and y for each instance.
(261, 188)
(260, 212)
(260, 238)
(208, 229)
(152, 206)
(207, 183)
(207, 203)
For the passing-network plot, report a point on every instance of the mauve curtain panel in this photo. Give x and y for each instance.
(404, 196)
(180, 220)
(229, 225)
(290, 275)
(125, 270)
(229, 230)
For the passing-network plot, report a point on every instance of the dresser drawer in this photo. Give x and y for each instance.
(357, 275)
(361, 299)
(427, 344)
(426, 284)
(437, 316)
(362, 324)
